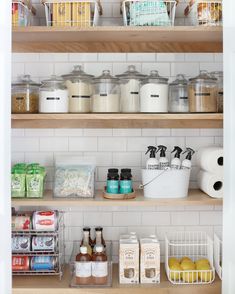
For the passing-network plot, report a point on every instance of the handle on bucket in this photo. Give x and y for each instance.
(142, 186)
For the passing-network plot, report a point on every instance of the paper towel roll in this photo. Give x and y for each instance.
(211, 159)
(211, 184)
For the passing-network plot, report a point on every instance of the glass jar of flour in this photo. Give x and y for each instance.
(178, 95)
(79, 87)
(106, 93)
(154, 93)
(130, 88)
(53, 96)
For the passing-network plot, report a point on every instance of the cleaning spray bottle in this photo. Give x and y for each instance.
(163, 161)
(175, 162)
(152, 162)
(187, 163)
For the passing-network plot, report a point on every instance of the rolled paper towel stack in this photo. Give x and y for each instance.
(210, 177)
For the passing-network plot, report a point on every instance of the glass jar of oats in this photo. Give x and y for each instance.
(25, 96)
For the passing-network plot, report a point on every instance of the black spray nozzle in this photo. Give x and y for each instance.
(162, 150)
(177, 151)
(189, 152)
(152, 151)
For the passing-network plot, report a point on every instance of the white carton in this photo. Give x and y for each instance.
(129, 260)
(150, 260)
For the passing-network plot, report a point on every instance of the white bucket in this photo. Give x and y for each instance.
(165, 183)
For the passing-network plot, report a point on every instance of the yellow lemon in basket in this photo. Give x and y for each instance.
(203, 261)
(189, 277)
(185, 258)
(188, 265)
(175, 272)
(172, 261)
(205, 273)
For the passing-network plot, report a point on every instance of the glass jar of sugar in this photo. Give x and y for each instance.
(178, 95)
(79, 87)
(106, 93)
(130, 88)
(53, 96)
(154, 93)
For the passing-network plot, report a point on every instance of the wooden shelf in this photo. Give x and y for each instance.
(138, 120)
(196, 197)
(117, 39)
(52, 285)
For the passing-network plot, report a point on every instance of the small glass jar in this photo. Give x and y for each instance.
(79, 87)
(178, 95)
(202, 93)
(220, 84)
(154, 93)
(53, 96)
(25, 96)
(106, 93)
(130, 88)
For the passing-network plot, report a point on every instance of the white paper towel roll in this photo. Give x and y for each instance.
(211, 159)
(211, 184)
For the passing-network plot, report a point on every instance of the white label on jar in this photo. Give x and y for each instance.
(53, 101)
(100, 269)
(130, 96)
(83, 269)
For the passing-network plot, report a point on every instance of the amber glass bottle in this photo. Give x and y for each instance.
(99, 266)
(83, 267)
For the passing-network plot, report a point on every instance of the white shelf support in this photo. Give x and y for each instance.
(5, 148)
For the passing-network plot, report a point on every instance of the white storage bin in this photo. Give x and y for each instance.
(218, 250)
(195, 245)
(165, 183)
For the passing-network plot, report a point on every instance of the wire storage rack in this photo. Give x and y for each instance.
(206, 13)
(149, 13)
(76, 13)
(25, 252)
(22, 13)
(218, 249)
(197, 246)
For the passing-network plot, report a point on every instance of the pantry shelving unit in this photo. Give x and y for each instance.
(196, 197)
(116, 39)
(50, 285)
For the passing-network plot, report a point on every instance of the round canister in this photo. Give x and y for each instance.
(20, 222)
(20, 263)
(20, 244)
(44, 243)
(45, 220)
(154, 93)
(53, 96)
(44, 263)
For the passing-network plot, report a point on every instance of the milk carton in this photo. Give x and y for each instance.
(150, 260)
(128, 260)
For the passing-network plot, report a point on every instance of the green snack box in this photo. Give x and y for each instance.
(18, 183)
(34, 183)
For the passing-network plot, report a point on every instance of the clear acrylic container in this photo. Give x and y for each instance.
(130, 88)
(219, 76)
(178, 95)
(202, 93)
(154, 93)
(53, 96)
(106, 93)
(79, 87)
(75, 251)
(25, 95)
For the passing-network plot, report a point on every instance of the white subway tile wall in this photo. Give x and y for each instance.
(117, 147)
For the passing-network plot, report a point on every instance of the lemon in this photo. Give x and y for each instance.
(175, 272)
(172, 261)
(185, 258)
(188, 265)
(205, 274)
(203, 261)
(189, 277)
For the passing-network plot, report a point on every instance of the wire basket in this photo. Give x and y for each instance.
(79, 13)
(207, 13)
(58, 253)
(149, 13)
(218, 249)
(22, 14)
(194, 245)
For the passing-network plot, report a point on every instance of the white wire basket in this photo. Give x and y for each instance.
(218, 250)
(76, 13)
(22, 14)
(207, 13)
(149, 13)
(194, 245)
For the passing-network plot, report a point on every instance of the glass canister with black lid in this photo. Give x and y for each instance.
(112, 181)
(178, 95)
(25, 95)
(79, 86)
(126, 181)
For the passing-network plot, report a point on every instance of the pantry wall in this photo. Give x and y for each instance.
(118, 147)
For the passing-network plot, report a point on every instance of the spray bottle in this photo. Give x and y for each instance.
(163, 161)
(152, 162)
(175, 162)
(187, 163)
